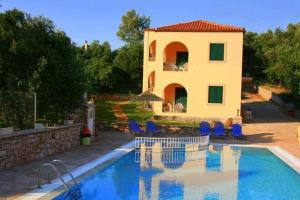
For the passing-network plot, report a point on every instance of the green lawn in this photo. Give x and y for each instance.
(104, 111)
(133, 112)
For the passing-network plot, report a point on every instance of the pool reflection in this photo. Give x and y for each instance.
(189, 173)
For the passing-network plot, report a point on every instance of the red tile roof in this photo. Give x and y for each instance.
(197, 26)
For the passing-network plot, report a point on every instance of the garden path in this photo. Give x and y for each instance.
(118, 111)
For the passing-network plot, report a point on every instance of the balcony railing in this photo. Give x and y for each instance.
(151, 58)
(173, 107)
(150, 88)
(173, 67)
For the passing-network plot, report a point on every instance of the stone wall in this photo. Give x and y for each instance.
(171, 129)
(196, 120)
(123, 97)
(270, 96)
(23, 146)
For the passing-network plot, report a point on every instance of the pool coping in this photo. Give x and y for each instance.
(282, 154)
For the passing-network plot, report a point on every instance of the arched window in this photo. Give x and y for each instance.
(151, 81)
(152, 51)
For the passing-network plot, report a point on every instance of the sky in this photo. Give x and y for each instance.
(100, 19)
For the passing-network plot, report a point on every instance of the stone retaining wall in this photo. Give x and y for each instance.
(196, 120)
(23, 146)
(270, 96)
(173, 129)
(123, 97)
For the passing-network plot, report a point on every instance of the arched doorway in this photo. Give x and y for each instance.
(175, 98)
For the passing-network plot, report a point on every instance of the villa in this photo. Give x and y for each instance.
(196, 67)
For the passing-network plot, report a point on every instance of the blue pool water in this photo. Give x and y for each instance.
(219, 172)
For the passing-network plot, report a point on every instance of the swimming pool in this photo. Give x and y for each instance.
(218, 172)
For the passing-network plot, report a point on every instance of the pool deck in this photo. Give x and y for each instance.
(270, 127)
(22, 179)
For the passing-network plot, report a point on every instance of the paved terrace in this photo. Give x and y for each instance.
(271, 126)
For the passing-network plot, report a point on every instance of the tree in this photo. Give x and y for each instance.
(129, 58)
(36, 57)
(98, 67)
(131, 30)
(275, 56)
(284, 58)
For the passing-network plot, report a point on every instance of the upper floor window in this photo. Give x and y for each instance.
(152, 51)
(216, 52)
(215, 94)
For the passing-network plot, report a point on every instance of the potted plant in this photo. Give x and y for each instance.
(41, 123)
(69, 119)
(228, 123)
(5, 127)
(86, 136)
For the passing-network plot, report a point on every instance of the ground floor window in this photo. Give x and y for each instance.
(215, 94)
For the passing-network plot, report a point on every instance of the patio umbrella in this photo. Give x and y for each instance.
(146, 97)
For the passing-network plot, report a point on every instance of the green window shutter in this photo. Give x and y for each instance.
(215, 94)
(216, 51)
(211, 95)
(219, 94)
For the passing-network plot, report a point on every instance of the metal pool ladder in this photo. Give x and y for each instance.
(53, 166)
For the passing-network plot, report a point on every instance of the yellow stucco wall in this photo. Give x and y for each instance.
(201, 72)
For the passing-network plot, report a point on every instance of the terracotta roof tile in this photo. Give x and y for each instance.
(197, 26)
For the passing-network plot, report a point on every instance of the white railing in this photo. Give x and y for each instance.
(170, 143)
(169, 156)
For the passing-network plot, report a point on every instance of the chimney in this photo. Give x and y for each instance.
(85, 45)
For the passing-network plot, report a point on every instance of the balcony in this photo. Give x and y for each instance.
(176, 57)
(152, 51)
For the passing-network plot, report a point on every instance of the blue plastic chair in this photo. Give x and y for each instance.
(204, 129)
(219, 130)
(151, 128)
(134, 127)
(236, 131)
